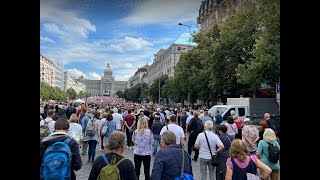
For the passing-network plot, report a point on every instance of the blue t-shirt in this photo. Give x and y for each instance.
(218, 118)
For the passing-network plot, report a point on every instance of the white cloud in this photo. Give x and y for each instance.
(75, 73)
(53, 28)
(164, 11)
(46, 39)
(129, 44)
(75, 26)
(94, 76)
(122, 77)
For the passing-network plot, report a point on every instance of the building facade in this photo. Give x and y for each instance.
(215, 10)
(165, 60)
(137, 77)
(107, 86)
(51, 73)
(59, 76)
(47, 71)
(70, 82)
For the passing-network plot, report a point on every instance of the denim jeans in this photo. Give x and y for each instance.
(92, 149)
(156, 141)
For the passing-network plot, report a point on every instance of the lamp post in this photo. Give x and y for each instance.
(189, 26)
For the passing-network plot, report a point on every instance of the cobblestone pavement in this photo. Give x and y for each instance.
(84, 172)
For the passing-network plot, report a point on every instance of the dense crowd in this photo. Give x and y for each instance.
(159, 132)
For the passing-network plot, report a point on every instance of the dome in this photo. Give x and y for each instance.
(108, 70)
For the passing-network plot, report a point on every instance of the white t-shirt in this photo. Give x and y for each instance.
(204, 149)
(117, 118)
(177, 130)
(50, 124)
(75, 131)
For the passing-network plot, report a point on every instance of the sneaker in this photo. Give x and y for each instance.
(133, 147)
(127, 147)
(130, 147)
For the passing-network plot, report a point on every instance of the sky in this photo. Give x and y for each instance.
(85, 35)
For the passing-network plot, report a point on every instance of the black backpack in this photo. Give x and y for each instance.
(274, 153)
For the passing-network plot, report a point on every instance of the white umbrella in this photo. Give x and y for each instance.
(79, 101)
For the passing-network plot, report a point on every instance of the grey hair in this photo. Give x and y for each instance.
(168, 138)
(116, 140)
(208, 125)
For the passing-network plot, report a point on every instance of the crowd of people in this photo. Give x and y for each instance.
(162, 133)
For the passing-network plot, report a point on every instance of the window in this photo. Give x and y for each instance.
(227, 114)
(179, 48)
(242, 111)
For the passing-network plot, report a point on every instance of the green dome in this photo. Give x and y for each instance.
(108, 70)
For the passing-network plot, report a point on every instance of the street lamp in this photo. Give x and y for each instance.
(189, 26)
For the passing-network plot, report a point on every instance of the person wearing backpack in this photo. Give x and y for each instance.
(269, 152)
(113, 165)
(92, 135)
(68, 151)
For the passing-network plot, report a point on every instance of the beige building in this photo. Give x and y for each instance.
(70, 82)
(51, 73)
(165, 60)
(137, 77)
(215, 10)
(107, 86)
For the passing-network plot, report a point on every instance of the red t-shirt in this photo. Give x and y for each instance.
(238, 123)
(129, 119)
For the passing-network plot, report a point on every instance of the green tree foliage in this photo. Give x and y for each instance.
(72, 94)
(47, 92)
(264, 67)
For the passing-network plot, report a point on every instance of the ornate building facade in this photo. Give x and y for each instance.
(107, 86)
(215, 10)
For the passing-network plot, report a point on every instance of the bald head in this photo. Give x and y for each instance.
(266, 116)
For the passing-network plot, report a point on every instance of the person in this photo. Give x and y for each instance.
(84, 123)
(177, 130)
(195, 127)
(143, 139)
(262, 152)
(49, 120)
(270, 122)
(241, 163)
(218, 118)
(204, 153)
(75, 129)
(232, 128)
(238, 122)
(156, 128)
(168, 161)
(117, 117)
(116, 146)
(262, 126)
(129, 122)
(224, 154)
(111, 124)
(250, 135)
(60, 134)
(93, 140)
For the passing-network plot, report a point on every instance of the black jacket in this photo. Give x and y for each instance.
(76, 161)
(126, 167)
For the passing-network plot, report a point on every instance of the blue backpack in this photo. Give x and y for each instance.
(56, 162)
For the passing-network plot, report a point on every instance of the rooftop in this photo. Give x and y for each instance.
(185, 39)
